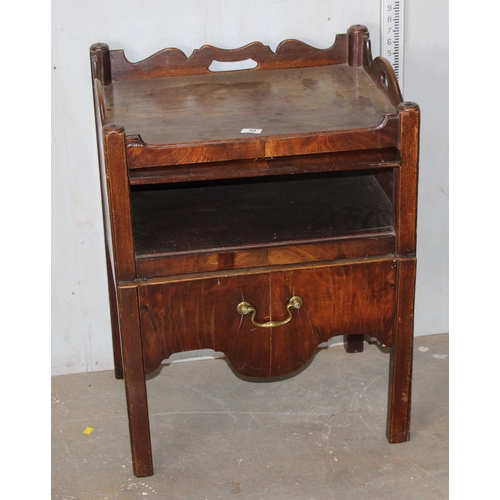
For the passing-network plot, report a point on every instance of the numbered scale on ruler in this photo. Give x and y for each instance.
(392, 35)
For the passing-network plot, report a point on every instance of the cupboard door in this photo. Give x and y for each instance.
(201, 314)
(253, 318)
(357, 298)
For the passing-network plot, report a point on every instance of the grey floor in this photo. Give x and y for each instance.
(317, 435)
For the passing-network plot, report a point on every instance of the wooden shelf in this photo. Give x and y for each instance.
(235, 214)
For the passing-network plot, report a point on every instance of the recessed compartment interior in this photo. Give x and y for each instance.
(248, 213)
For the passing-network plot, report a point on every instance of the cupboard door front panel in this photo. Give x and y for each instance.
(252, 320)
(357, 298)
(201, 314)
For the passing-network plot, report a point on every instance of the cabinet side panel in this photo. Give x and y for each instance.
(382, 74)
(99, 59)
(385, 180)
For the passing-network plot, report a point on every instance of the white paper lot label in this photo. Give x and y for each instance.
(251, 130)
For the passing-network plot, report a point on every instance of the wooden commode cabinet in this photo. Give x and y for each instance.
(257, 212)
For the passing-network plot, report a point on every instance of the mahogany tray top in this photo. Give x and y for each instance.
(298, 100)
(218, 106)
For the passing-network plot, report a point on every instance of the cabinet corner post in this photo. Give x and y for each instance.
(135, 382)
(409, 138)
(118, 194)
(356, 36)
(401, 361)
(100, 63)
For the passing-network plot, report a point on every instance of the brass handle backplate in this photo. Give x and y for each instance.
(245, 308)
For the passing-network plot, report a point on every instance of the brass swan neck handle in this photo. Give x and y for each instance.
(245, 308)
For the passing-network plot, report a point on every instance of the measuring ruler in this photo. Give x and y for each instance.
(392, 35)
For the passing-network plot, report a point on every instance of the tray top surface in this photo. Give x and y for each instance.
(216, 107)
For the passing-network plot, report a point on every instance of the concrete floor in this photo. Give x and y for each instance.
(317, 435)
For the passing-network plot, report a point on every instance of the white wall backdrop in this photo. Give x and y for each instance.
(81, 338)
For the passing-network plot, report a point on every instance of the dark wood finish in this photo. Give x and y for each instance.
(349, 298)
(141, 154)
(379, 159)
(385, 178)
(354, 343)
(201, 314)
(115, 319)
(99, 56)
(400, 371)
(279, 254)
(199, 216)
(100, 63)
(172, 62)
(408, 178)
(294, 110)
(118, 192)
(178, 218)
(356, 35)
(294, 102)
(135, 382)
(182, 314)
(384, 78)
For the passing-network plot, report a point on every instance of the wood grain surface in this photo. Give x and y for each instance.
(187, 314)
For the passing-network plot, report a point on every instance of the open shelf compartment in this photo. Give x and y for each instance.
(233, 223)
